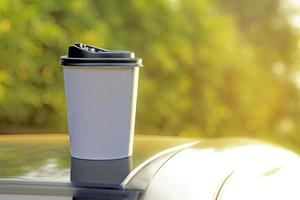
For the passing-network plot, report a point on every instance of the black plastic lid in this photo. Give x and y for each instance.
(86, 55)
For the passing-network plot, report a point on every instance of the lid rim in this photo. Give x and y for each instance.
(67, 61)
(101, 65)
(86, 55)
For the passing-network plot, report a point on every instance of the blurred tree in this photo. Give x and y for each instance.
(212, 68)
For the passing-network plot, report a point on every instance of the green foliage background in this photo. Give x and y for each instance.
(212, 68)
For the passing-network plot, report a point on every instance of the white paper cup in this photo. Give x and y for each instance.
(101, 105)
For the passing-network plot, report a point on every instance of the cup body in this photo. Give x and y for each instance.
(101, 106)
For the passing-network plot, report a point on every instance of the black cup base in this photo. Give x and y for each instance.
(100, 173)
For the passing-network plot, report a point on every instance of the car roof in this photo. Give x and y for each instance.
(37, 166)
(45, 157)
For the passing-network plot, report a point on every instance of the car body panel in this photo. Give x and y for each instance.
(232, 168)
(45, 157)
(22, 190)
(38, 167)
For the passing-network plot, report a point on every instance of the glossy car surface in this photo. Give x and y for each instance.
(46, 156)
(220, 169)
(37, 167)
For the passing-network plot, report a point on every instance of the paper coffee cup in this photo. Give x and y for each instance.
(101, 92)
